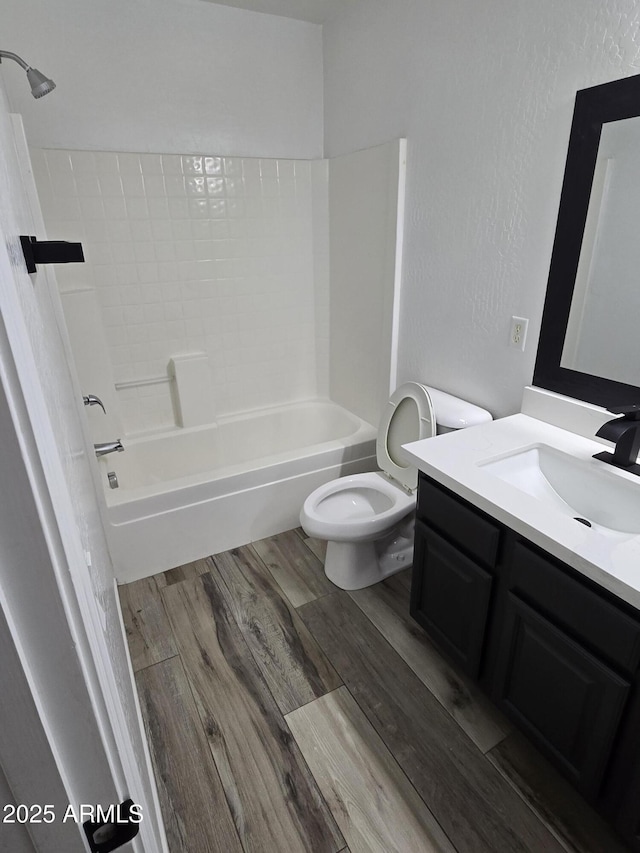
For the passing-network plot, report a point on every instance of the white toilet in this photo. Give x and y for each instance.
(367, 519)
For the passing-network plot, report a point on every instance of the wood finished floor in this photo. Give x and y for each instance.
(286, 716)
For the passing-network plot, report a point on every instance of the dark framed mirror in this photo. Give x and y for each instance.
(589, 344)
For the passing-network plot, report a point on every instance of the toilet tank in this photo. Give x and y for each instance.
(453, 413)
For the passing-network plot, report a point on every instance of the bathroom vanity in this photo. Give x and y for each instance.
(535, 601)
(527, 548)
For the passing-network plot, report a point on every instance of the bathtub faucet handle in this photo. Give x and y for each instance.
(92, 400)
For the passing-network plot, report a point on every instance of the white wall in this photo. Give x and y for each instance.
(321, 271)
(484, 93)
(364, 190)
(166, 76)
(184, 255)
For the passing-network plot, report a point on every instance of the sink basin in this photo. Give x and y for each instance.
(583, 489)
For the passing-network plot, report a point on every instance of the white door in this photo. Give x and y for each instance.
(59, 617)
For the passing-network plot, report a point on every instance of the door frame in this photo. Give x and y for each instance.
(74, 611)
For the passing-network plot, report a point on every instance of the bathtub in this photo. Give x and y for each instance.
(188, 493)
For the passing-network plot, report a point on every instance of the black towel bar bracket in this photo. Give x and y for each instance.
(50, 252)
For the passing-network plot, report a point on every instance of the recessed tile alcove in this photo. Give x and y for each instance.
(228, 257)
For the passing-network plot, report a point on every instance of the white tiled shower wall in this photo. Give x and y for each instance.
(222, 255)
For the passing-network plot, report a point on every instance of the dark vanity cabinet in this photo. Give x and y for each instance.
(452, 599)
(559, 655)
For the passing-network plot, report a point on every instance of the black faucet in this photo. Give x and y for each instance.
(625, 432)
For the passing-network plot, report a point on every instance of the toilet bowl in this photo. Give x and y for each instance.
(367, 519)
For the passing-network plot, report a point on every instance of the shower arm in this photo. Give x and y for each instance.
(6, 54)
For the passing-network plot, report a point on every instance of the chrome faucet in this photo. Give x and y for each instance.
(108, 447)
(625, 432)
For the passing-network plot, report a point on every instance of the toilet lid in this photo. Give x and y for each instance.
(407, 417)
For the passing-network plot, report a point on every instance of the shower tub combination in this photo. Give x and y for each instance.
(187, 493)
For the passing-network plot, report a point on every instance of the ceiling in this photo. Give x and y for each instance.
(316, 11)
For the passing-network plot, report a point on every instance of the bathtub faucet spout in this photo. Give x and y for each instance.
(108, 447)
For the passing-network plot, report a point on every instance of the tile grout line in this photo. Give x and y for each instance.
(155, 663)
(315, 699)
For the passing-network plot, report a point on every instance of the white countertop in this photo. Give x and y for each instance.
(455, 460)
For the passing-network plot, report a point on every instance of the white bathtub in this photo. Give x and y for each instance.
(188, 493)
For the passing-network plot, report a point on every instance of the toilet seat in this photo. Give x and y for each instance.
(408, 416)
(365, 506)
(356, 508)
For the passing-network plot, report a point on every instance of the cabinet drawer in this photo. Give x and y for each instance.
(566, 700)
(450, 597)
(460, 523)
(584, 614)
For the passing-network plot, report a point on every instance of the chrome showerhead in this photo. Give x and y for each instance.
(40, 85)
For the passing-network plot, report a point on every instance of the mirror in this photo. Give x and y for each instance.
(589, 340)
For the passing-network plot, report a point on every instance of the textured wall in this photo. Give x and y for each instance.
(168, 76)
(484, 93)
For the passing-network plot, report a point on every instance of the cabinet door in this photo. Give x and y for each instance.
(627, 820)
(450, 598)
(567, 701)
(622, 793)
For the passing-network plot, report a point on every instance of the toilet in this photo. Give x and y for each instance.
(367, 519)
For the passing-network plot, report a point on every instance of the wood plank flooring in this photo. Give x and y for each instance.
(274, 800)
(286, 715)
(145, 619)
(386, 606)
(375, 805)
(289, 658)
(196, 816)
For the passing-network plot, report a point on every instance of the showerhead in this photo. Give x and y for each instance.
(40, 85)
